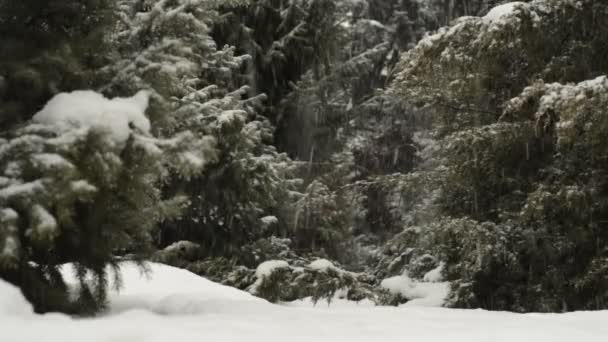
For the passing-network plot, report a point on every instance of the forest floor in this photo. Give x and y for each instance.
(170, 304)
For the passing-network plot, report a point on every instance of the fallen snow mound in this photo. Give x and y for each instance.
(12, 301)
(417, 293)
(168, 290)
(188, 308)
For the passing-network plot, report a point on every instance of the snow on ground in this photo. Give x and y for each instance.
(175, 305)
(12, 302)
(418, 293)
(167, 290)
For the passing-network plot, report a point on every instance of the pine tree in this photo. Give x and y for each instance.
(84, 181)
(166, 46)
(79, 185)
(504, 157)
(285, 39)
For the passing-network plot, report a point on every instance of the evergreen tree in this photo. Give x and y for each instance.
(285, 39)
(80, 185)
(166, 46)
(502, 165)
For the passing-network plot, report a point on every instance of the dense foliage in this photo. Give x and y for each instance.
(48, 47)
(520, 194)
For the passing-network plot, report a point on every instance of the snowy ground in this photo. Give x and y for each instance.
(175, 305)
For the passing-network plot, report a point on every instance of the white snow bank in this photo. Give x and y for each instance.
(418, 293)
(501, 10)
(168, 290)
(12, 302)
(429, 294)
(402, 285)
(232, 315)
(90, 110)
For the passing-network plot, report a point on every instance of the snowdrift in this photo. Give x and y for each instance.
(167, 290)
(170, 304)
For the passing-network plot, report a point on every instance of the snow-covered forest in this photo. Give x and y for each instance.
(222, 169)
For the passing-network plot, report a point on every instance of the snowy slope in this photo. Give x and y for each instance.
(175, 305)
(167, 290)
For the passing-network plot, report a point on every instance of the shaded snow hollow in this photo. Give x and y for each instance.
(173, 304)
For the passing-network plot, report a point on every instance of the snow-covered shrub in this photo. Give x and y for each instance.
(272, 280)
(284, 280)
(79, 184)
(276, 280)
(178, 253)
